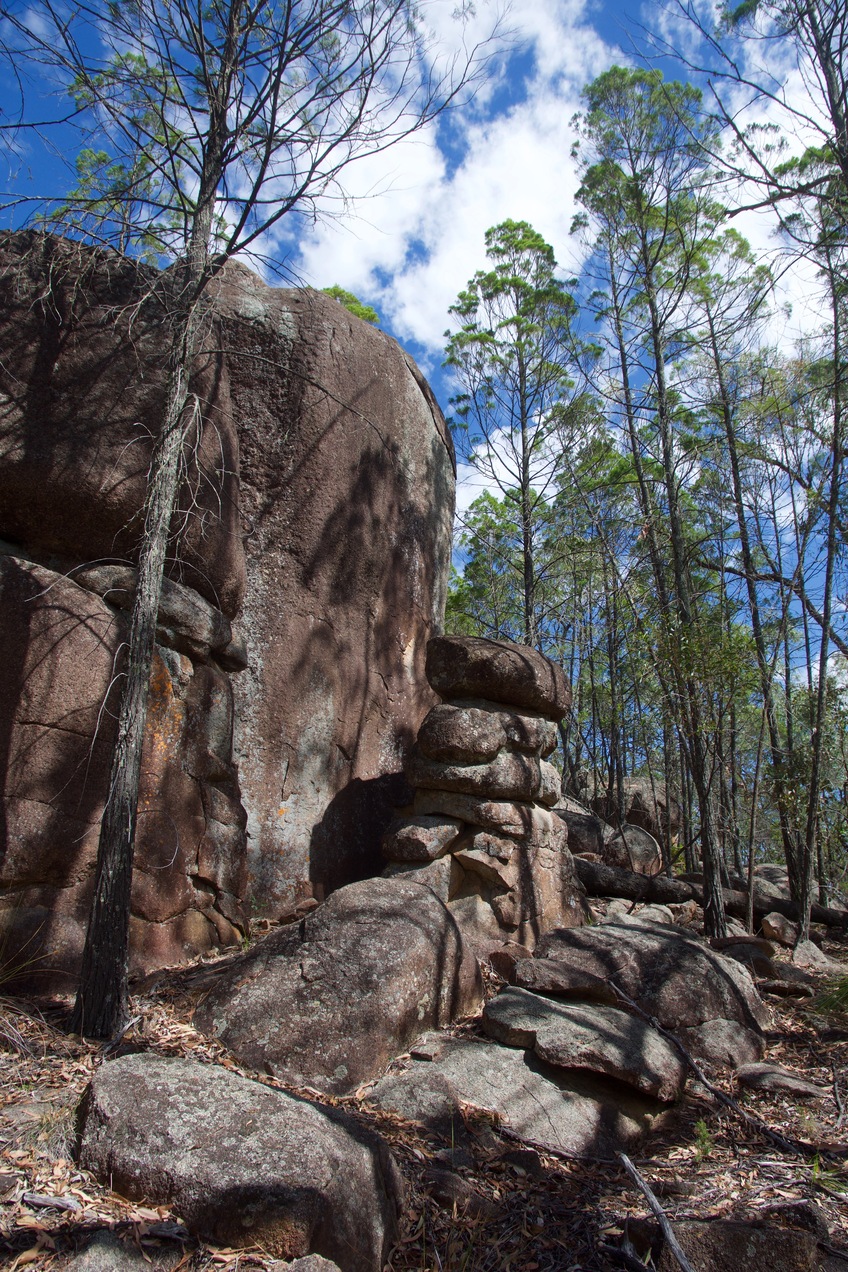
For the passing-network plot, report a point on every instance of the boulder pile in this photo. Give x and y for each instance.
(481, 831)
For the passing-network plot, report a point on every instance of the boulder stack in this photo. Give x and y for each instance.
(481, 831)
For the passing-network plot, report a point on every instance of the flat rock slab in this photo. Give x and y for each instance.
(549, 976)
(572, 1113)
(596, 1038)
(723, 1042)
(498, 670)
(673, 977)
(764, 1076)
(510, 776)
(241, 1163)
(106, 1252)
(328, 1002)
(727, 1245)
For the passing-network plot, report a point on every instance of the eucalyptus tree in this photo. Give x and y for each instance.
(511, 353)
(205, 126)
(777, 71)
(646, 192)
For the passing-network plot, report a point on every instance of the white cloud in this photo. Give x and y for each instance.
(413, 245)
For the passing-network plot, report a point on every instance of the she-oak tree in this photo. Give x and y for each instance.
(206, 125)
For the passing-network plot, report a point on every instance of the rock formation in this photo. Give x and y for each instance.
(307, 571)
(481, 831)
(646, 803)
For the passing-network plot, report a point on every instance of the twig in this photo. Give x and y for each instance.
(53, 1203)
(621, 1257)
(833, 1251)
(560, 1153)
(799, 1147)
(114, 1043)
(658, 1213)
(837, 1099)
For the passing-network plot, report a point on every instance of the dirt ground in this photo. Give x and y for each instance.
(507, 1206)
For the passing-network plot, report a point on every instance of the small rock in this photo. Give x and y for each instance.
(453, 1192)
(686, 912)
(776, 927)
(504, 958)
(524, 1161)
(765, 1076)
(724, 1244)
(806, 954)
(723, 1042)
(311, 1263)
(785, 989)
(428, 1046)
(420, 839)
(758, 963)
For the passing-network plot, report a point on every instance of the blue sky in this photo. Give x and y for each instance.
(416, 234)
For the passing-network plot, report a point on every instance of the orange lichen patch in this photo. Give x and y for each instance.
(164, 728)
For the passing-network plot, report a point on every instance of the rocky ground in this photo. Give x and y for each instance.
(489, 1203)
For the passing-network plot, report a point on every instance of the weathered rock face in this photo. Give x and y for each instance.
(242, 1164)
(57, 703)
(308, 567)
(328, 1002)
(346, 498)
(484, 793)
(672, 977)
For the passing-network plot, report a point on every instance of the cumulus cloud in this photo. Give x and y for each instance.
(421, 210)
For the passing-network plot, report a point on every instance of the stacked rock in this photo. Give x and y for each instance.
(481, 831)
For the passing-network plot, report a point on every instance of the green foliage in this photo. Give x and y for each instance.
(704, 1144)
(353, 304)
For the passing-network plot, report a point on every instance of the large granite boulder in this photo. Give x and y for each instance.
(327, 1003)
(646, 803)
(241, 1163)
(497, 670)
(588, 1038)
(632, 848)
(672, 977)
(307, 570)
(346, 498)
